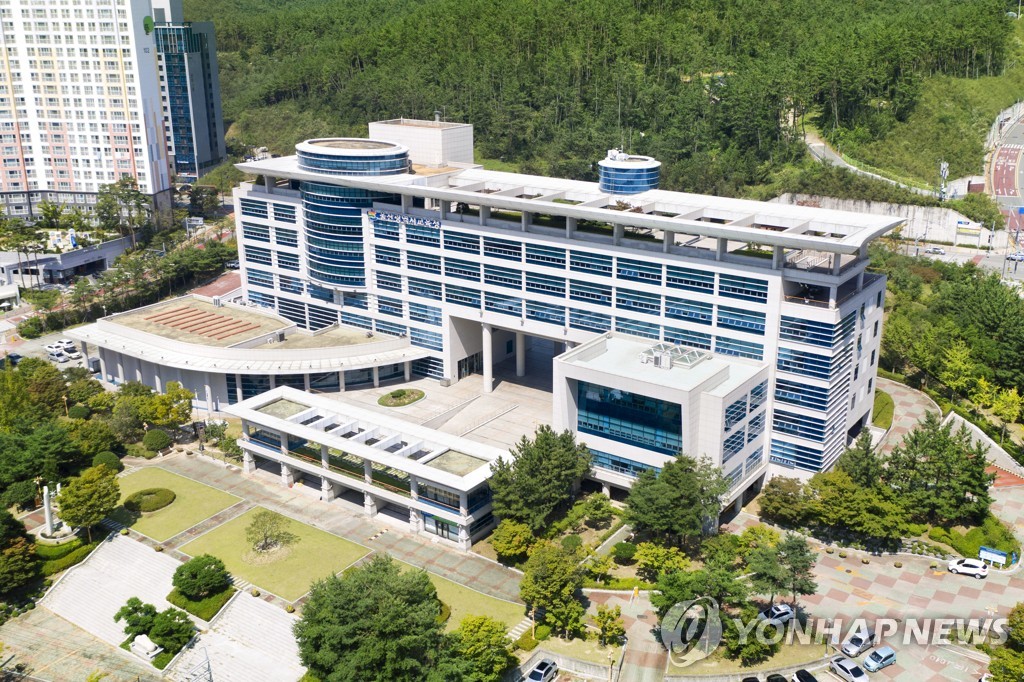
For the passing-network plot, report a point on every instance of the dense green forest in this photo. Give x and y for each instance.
(719, 90)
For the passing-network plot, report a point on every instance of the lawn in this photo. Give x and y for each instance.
(883, 410)
(583, 649)
(193, 503)
(466, 602)
(788, 655)
(317, 554)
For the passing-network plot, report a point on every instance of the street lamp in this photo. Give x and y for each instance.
(66, 413)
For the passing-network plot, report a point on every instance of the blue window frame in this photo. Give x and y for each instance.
(291, 285)
(254, 209)
(758, 395)
(796, 456)
(639, 271)
(389, 281)
(354, 320)
(255, 254)
(735, 413)
(545, 284)
(619, 465)
(503, 248)
(425, 288)
(648, 330)
(584, 319)
(805, 364)
(286, 237)
(391, 328)
(690, 311)
(390, 306)
(288, 261)
(321, 317)
(385, 255)
(462, 296)
(754, 460)
(258, 278)
(425, 339)
(799, 425)
(690, 279)
(462, 269)
(460, 241)
(594, 263)
(385, 229)
(741, 320)
(322, 293)
(506, 305)
(423, 234)
(548, 256)
(806, 331)
(261, 299)
(746, 288)
(284, 212)
(356, 300)
(425, 313)
(732, 445)
(545, 312)
(641, 301)
(503, 277)
(425, 262)
(629, 417)
(257, 233)
(590, 293)
(801, 393)
(755, 427)
(685, 337)
(743, 349)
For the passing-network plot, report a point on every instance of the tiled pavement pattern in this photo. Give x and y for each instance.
(644, 659)
(910, 407)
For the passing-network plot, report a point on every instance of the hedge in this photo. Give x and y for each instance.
(526, 642)
(78, 412)
(991, 533)
(75, 557)
(51, 552)
(543, 632)
(107, 459)
(149, 500)
(156, 440)
(205, 608)
(444, 614)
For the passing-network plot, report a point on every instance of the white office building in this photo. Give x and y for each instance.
(85, 99)
(744, 331)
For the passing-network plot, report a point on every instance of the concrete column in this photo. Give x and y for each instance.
(570, 227)
(667, 240)
(738, 505)
(778, 257)
(325, 458)
(273, 381)
(287, 476)
(406, 203)
(47, 511)
(606, 489)
(415, 520)
(305, 382)
(488, 358)
(837, 263)
(464, 503)
(376, 376)
(341, 381)
(485, 214)
(238, 387)
(367, 472)
(268, 182)
(248, 462)
(327, 493)
(832, 297)
(443, 208)
(520, 354)
(408, 370)
(369, 504)
(722, 248)
(860, 282)
(524, 223)
(464, 542)
(617, 232)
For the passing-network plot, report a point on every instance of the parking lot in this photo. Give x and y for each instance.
(36, 348)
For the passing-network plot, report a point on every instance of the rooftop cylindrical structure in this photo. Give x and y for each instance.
(621, 173)
(333, 213)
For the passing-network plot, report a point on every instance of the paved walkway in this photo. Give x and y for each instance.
(644, 659)
(346, 520)
(910, 408)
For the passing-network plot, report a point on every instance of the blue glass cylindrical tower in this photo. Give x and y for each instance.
(621, 173)
(334, 221)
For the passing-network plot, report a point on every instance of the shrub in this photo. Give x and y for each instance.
(20, 494)
(543, 632)
(205, 608)
(511, 540)
(107, 459)
(444, 613)
(865, 560)
(572, 543)
(842, 555)
(398, 394)
(255, 592)
(172, 629)
(526, 642)
(830, 550)
(123, 531)
(898, 564)
(51, 552)
(623, 552)
(156, 440)
(149, 500)
(201, 576)
(79, 412)
(289, 608)
(158, 548)
(75, 557)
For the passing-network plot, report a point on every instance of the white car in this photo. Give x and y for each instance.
(66, 344)
(859, 642)
(935, 250)
(848, 670)
(975, 567)
(777, 614)
(53, 348)
(57, 357)
(73, 354)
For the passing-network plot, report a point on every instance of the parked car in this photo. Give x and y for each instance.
(775, 677)
(73, 354)
(232, 265)
(777, 614)
(848, 670)
(859, 642)
(57, 357)
(1019, 256)
(545, 671)
(975, 567)
(935, 250)
(13, 359)
(752, 678)
(53, 348)
(880, 658)
(67, 344)
(804, 676)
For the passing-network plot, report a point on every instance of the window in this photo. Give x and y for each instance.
(875, 334)
(388, 281)
(503, 277)
(389, 328)
(740, 320)
(594, 263)
(256, 254)
(506, 305)
(424, 288)
(620, 465)
(735, 413)
(385, 255)
(746, 288)
(257, 233)
(425, 262)
(797, 456)
(582, 319)
(690, 311)
(639, 271)
(641, 301)
(591, 293)
(545, 312)
(647, 330)
(286, 237)
(426, 339)
(288, 261)
(545, 284)
(743, 349)
(356, 300)
(688, 278)
(390, 306)
(258, 278)
(755, 427)
(462, 296)
(802, 394)
(385, 229)
(685, 337)
(462, 269)
(758, 395)
(425, 313)
(503, 248)
(548, 256)
(291, 285)
(459, 241)
(732, 445)
(799, 425)
(422, 234)
(255, 209)
(754, 460)
(284, 213)
(805, 364)
(629, 417)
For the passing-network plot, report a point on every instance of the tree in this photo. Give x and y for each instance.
(551, 578)
(680, 503)
(597, 510)
(757, 536)
(767, 575)
(1007, 406)
(717, 582)
(172, 408)
(377, 622)
(609, 624)
(479, 650)
(137, 616)
(783, 501)
(94, 436)
(797, 561)
(268, 531)
(201, 576)
(984, 393)
(958, 367)
(1015, 627)
(540, 477)
(172, 629)
(599, 567)
(19, 565)
(652, 559)
(861, 462)
(751, 649)
(512, 540)
(89, 498)
(1007, 665)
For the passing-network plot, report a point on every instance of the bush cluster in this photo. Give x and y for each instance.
(149, 500)
(156, 440)
(107, 459)
(991, 533)
(526, 642)
(78, 412)
(543, 632)
(444, 614)
(76, 556)
(623, 552)
(205, 608)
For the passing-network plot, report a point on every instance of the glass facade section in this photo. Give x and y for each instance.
(639, 271)
(503, 248)
(388, 281)
(257, 233)
(590, 293)
(735, 413)
(462, 296)
(594, 263)
(805, 364)
(286, 237)
(253, 208)
(685, 337)
(334, 232)
(746, 288)
(690, 311)
(758, 395)
(801, 393)
(648, 330)
(462, 269)
(548, 256)
(506, 305)
(393, 162)
(690, 279)
(424, 262)
(425, 339)
(545, 312)
(545, 284)
(732, 445)
(644, 176)
(629, 418)
(641, 301)
(584, 319)
(799, 425)
(796, 456)
(503, 277)
(619, 465)
(425, 313)
(284, 212)
(460, 241)
(743, 349)
(424, 288)
(741, 320)
(255, 254)
(423, 234)
(288, 261)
